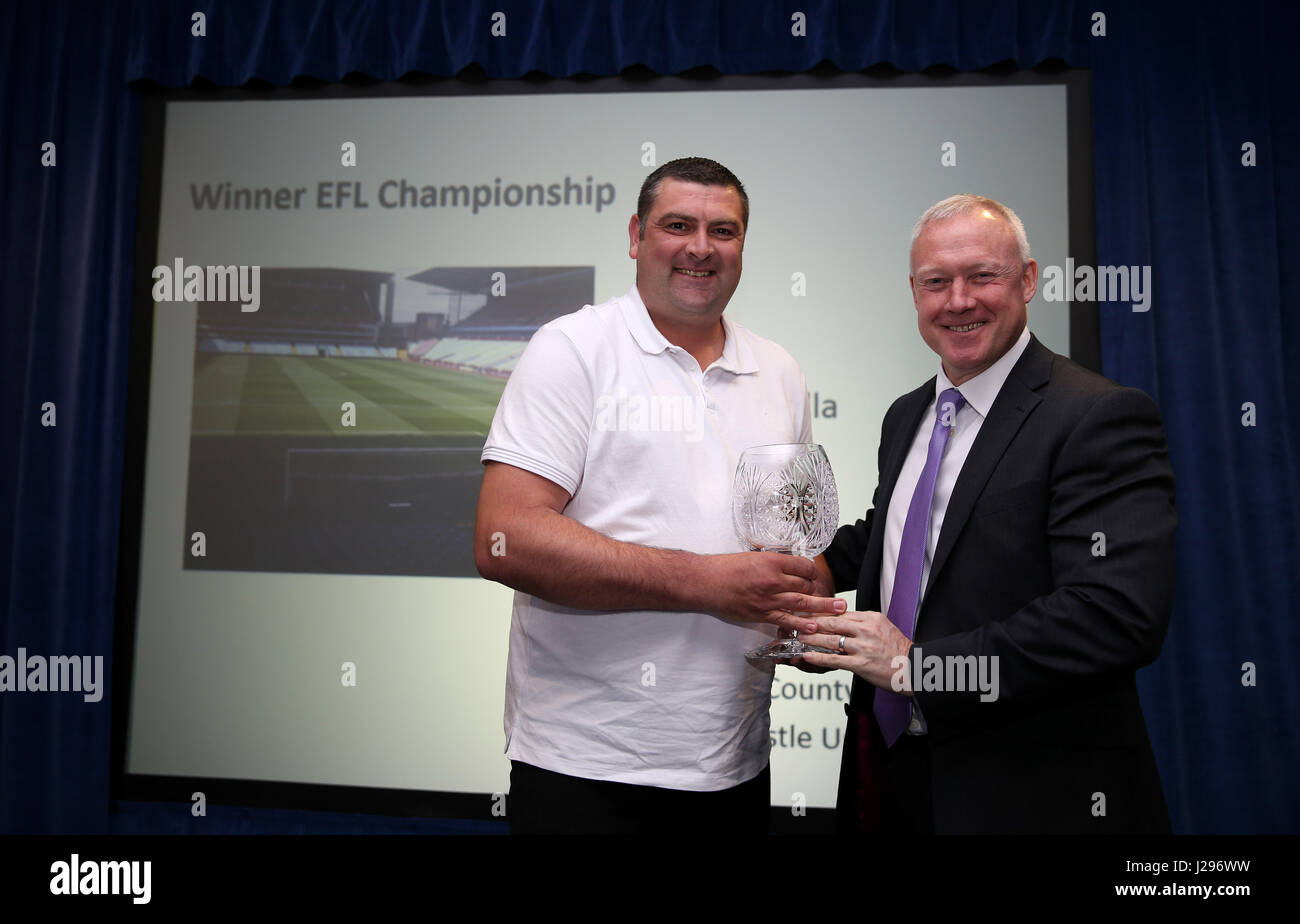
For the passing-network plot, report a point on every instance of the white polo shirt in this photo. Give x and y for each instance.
(646, 443)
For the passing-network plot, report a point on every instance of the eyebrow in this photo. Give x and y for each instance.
(972, 268)
(679, 216)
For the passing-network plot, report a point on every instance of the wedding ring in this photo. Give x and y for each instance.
(841, 645)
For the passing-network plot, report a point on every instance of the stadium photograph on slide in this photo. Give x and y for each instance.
(283, 478)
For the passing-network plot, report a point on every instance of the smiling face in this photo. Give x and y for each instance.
(688, 261)
(970, 291)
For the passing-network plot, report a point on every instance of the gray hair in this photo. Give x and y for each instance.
(964, 204)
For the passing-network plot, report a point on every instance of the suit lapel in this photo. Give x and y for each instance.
(1014, 402)
(897, 443)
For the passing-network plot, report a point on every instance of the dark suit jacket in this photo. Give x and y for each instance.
(1063, 455)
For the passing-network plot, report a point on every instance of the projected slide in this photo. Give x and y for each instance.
(369, 270)
(284, 476)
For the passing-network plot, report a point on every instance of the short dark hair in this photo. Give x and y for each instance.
(689, 170)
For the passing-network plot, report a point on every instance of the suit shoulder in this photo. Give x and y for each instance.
(905, 403)
(1078, 386)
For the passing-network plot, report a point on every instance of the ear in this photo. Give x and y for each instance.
(1029, 280)
(633, 235)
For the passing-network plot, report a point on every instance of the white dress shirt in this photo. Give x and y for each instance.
(980, 392)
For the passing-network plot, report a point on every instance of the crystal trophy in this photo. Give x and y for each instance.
(784, 500)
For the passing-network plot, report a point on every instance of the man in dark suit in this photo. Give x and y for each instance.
(1015, 570)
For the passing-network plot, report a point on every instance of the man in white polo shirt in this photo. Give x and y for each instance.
(629, 705)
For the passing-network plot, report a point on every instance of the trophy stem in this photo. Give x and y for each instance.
(783, 649)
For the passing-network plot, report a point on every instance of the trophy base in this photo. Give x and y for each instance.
(786, 649)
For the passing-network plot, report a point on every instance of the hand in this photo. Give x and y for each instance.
(807, 668)
(767, 587)
(871, 643)
(823, 580)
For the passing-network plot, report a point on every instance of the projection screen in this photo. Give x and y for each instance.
(306, 607)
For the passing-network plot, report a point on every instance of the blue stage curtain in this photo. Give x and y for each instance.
(68, 249)
(386, 40)
(1176, 95)
(1178, 89)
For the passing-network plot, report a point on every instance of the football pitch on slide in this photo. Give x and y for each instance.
(260, 395)
(280, 481)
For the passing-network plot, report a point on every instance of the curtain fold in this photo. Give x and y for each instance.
(68, 246)
(1176, 191)
(387, 39)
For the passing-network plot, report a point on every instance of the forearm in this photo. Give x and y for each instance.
(524, 540)
(549, 555)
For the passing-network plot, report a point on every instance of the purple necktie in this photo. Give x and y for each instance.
(893, 710)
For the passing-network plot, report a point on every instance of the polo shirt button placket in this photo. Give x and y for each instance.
(709, 404)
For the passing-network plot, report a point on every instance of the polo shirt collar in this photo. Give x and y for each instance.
(737, 357)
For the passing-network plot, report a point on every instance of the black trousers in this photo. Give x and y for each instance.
(894, 795)
(545, 802)
(907, 807)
